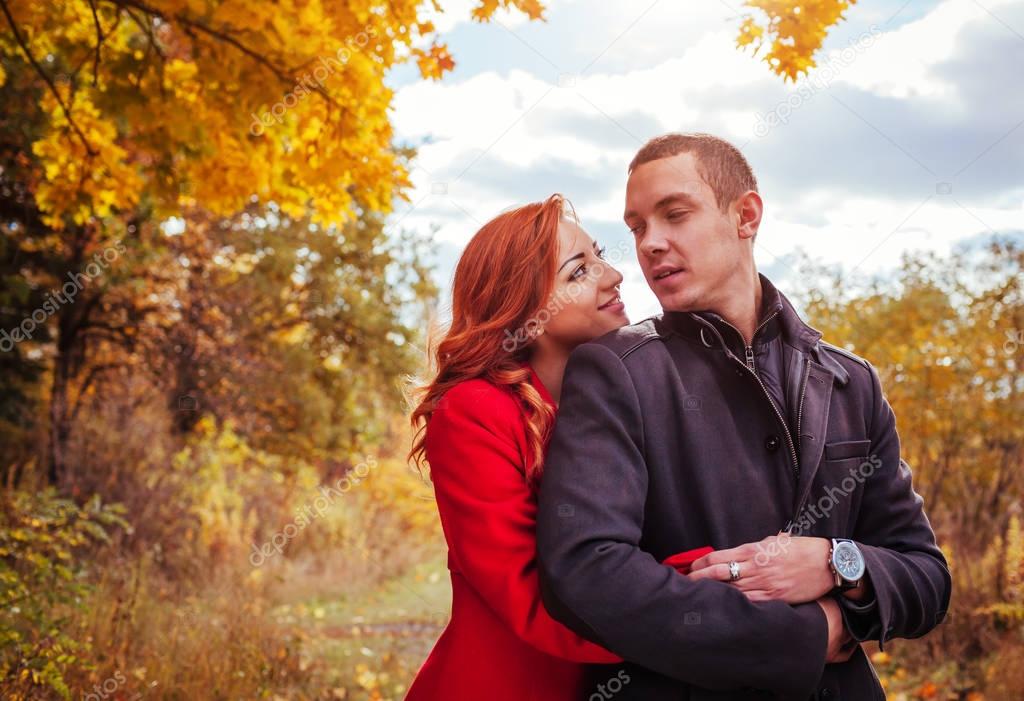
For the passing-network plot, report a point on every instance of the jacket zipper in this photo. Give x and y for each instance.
(749, 365)
(782, 421)
(749, 348)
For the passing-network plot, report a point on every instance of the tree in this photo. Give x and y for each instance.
(129, 111)
(946, 338)
(792, 31)
(295, 332)
(946, 335)
(222, 99)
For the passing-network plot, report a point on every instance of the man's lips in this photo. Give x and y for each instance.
(660, 274)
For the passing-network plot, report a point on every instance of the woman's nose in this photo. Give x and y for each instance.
(613, 278)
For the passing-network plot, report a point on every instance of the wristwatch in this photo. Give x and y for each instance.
(846, 562)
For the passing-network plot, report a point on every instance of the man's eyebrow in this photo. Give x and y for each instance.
(673, 198)
(681, 197)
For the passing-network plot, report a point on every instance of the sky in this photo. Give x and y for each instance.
(908, 135)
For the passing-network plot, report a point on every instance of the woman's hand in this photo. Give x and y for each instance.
(781, 567)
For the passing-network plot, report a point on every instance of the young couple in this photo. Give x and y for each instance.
(720, 510)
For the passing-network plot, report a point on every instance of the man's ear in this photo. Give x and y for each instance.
(749, 208)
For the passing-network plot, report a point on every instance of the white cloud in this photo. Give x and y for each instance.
(901, 63)
(870, 233)
(506, 135)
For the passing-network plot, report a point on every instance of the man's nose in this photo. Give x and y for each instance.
(653, 242)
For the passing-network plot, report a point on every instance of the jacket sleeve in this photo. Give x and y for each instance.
(489, 515)
(598, 580)
(907, 570)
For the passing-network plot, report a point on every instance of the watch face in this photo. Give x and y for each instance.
(848, 561)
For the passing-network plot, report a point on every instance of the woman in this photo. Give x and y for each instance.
(530, 286)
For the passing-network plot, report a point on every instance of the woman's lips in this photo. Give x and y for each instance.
(614, 305)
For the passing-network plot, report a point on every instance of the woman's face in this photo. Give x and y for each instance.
(585, 301)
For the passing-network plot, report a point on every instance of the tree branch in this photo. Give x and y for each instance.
(100, 38)
(42, 74)
(152, 45)
(93, 372)
(225, 37)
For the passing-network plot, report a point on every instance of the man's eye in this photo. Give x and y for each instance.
(676, 215)
(636, 229)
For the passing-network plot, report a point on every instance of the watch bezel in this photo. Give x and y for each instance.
(839, 544)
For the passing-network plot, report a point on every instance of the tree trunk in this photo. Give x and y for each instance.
(60, 426)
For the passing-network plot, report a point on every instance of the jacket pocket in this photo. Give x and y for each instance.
(844, 450)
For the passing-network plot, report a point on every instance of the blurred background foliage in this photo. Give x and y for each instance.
(946, 336)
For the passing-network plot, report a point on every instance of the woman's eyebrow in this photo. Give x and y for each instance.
(568, 260)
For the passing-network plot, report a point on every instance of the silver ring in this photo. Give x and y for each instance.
(734, 571)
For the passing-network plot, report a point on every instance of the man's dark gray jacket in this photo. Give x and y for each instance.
(672, 435)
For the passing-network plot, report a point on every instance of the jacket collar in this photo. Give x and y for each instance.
(808, 339)
(782, 319)
(769, 319)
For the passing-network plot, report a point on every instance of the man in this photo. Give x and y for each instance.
(728, 421)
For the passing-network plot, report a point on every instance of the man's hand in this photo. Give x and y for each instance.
(782, 567)
(840, 643)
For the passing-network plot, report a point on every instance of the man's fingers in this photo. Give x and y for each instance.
(757, 595)
(845, 651)
(717, 572)
(749, 581)
(699, 564)
(718, 557)
(704, 562)
(748, 574)
(843, 656)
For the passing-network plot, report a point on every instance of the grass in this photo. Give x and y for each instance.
(368, 645)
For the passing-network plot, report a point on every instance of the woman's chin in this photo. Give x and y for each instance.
(617, 322)
(620, 320)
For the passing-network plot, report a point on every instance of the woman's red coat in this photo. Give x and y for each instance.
(500, 643)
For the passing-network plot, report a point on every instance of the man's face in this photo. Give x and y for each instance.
(687, 247)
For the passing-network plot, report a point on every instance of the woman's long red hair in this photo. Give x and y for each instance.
(503, 279)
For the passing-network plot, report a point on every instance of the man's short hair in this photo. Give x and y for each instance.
(720, 163)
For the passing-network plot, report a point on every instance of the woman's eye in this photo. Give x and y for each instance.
(601, 252)
(578, 273)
